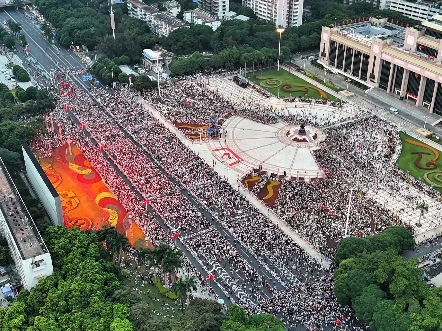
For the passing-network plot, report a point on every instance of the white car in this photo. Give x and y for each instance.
(394, 110)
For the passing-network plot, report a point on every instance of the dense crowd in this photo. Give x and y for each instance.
(262, 268)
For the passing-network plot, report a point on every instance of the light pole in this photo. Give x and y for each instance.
(158, 73)
(348, 213)
(280, 31)
(425, 121)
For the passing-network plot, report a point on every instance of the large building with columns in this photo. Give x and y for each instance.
(404, 61)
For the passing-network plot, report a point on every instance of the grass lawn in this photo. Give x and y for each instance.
(432, 174)
(151, 293)
(287, 84)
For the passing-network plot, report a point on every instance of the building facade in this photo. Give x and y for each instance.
(161, 23)
(419, 11)
(29, 252)
(197, 17)
(402, 61)
(283, 13)
(219, 8)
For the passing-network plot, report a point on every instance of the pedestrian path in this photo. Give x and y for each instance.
(233, 178)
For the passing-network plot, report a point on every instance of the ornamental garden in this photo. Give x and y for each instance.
(284, 84)
(420, 161)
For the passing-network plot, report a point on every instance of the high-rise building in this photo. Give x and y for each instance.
(219, 8)
(283, 13)
(31, 257)
(403, 61)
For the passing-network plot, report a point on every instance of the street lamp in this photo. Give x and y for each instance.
(158, 73)
(280, 31)
(425, 121)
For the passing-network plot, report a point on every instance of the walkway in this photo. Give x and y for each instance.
(232, 177)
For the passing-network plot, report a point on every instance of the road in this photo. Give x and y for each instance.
(50, 58)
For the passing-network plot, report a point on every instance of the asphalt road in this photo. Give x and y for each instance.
(39, 48)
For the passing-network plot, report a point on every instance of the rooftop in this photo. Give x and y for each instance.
(365, 32)
(169, 20)
(435, 23)
(19, 221)
(152, 55)
(202, 15)
(139, 4)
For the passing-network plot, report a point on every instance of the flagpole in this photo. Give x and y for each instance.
(348, 213)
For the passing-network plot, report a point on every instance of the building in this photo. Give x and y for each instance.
(283, 13)
(173, 7)
(161, 23)
(198, 17)
(419, 11)
(150, 59)
(219, 8)
(31, 257)
(403, 61)
(374, 3)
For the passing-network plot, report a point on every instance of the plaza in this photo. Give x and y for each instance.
(272, 171)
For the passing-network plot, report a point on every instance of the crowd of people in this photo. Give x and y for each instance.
(262, 268)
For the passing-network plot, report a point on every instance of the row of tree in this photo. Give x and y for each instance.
(87, 23)
(17, 32)
(386, 291)
(228, 58)
(20, 123)
(108, 71)
(6, 38)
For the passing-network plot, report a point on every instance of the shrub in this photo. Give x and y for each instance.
(167, 292)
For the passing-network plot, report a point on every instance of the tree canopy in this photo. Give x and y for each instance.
(385, 290)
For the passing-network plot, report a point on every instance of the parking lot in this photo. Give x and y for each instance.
(6, 76)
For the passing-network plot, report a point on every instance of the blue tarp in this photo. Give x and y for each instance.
(7, 291)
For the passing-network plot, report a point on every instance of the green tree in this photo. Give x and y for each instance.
(143, 82)
(31, 92)
(350, 285)
(388, 317)
(116, 242)
(350, 247)
(9, 41)
(365, 304)
(12, 160)
(423, 208)
(183, 287)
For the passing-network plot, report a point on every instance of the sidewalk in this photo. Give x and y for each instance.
(233, 178)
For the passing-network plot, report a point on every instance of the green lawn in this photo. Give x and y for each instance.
(287, 84)
(150, 293)
(407, 162)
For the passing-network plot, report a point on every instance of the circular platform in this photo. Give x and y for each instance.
(276, 148)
